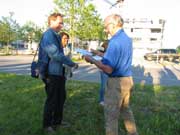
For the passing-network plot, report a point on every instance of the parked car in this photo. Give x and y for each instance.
(163, 54)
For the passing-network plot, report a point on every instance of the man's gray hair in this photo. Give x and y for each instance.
(116, 19)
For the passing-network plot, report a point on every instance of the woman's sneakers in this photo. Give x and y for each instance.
(101, 103)
(49, 130)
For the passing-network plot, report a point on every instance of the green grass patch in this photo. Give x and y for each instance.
(156, 108)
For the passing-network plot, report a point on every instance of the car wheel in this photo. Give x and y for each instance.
(161, 59)
(170, 59)
(149, 58)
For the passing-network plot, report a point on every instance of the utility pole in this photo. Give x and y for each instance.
(162, 22)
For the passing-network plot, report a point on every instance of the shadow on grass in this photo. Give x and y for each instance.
(22, 99)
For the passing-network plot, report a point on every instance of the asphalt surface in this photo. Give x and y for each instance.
(144, 72)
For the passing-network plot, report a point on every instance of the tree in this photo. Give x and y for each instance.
(11, 32)
(81, 19)
(8, 29)
(90, 26)
(30, 32)
(178, 48)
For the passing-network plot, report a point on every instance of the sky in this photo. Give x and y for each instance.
(25, 10)
(158, 9)
(38, 10)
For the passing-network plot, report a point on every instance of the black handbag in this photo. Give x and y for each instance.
(34, 66)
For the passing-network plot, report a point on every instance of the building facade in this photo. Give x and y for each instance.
(147, 34)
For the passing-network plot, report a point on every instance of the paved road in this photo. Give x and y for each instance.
(144, 72)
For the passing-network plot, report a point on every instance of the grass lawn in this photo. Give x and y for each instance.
(156, 108)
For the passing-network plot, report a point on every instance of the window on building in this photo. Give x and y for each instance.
(153, 39)
(155, 30)
(137, 39)
(131, 29)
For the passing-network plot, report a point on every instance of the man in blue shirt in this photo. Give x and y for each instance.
(116, 63)
(51, 54)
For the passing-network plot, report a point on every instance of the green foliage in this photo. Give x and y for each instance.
(156, 108)
(178, 49)
(11, 31)
(90, 26)
(81, 19)
(30, 32)
(8, 29)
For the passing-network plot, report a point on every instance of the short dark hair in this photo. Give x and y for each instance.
(64, 33)
(105, 44)
(53, 16)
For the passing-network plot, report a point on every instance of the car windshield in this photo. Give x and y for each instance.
(167, 51)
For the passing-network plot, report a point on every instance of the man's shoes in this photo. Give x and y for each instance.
(49, 130)
(71, 74)
(65, 124)
(62, 125)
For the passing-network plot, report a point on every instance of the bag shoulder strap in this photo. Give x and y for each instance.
(36, 52)
(37, 49)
